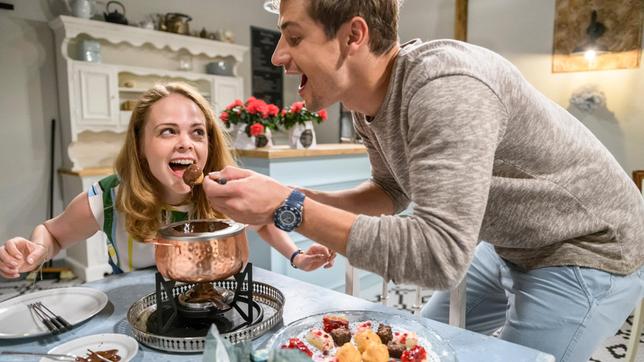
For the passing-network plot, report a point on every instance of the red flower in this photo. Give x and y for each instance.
(235, 103)
(256, 129)
(257, 106)
(252, 111)
(322, 114)
(273, 110)
(298, 114)
(297, 107)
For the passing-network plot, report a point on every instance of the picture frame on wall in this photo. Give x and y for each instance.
(596, 35)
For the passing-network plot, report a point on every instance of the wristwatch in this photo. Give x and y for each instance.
(288, 216)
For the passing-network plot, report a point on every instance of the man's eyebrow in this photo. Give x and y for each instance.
(286, 24)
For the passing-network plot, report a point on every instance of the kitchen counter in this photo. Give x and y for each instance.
(302, 299)
(333, 149)
(275, 152)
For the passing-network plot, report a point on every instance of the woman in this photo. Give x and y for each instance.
(171, 128)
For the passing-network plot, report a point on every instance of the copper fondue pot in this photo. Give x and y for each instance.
(201, 250)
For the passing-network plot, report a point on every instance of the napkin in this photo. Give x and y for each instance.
(219, 349)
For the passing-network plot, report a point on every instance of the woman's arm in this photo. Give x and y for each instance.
(76, 223)
(314, 257)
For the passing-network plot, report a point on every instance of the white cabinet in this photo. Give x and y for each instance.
(95, 102)
(225, 90)
(96, 98)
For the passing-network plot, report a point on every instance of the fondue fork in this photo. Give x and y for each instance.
(56, 357)
(53, 328)
(94, 354)
(64, 324)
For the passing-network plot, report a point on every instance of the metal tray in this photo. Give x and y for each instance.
(269, 298)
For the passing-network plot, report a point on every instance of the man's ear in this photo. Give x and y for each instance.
(357, 34)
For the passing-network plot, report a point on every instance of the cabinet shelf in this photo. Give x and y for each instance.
(116, 34)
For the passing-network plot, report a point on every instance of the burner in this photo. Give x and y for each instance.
(182, 318)
(205, 297)
(192, 312)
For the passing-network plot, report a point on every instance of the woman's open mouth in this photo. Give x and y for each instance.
(178, 167)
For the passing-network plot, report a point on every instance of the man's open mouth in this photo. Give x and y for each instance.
(303, 80)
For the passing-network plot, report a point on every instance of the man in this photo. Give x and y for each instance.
(483, 155)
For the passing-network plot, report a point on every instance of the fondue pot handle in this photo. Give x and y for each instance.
(157, 242)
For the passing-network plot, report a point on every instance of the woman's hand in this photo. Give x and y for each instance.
(19, 255)
(314, 257)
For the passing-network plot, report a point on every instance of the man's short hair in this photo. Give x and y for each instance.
(381, 17)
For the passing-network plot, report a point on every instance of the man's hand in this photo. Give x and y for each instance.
(247, 196)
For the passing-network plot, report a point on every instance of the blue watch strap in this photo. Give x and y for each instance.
(295, 198)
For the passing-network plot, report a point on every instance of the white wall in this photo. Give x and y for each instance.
(520, 30)
(28, 102)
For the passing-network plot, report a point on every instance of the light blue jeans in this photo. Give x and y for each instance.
(566, 311)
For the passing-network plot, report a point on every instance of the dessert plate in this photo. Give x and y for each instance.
(75, 305)
(126, 346)
(437, 348)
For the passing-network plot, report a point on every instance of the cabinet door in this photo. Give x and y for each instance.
(225, 91)
(96, 97)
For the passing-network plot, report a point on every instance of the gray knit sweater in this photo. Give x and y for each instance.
(483, 155)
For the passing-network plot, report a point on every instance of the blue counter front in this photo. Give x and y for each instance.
(326, 167)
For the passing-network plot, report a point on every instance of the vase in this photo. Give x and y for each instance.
(302, 135)
(244, 142)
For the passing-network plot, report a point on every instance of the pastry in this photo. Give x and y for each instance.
(375, 352)
(384, 332)
(364, 338)
(296, 343)
(409, 339)
(348, 353)
(363, 325)
(341, 336)
(416, 354)
(320, 340)
(396, 349)
(193, 175)
(331, 322)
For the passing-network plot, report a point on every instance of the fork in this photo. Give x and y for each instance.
(53, 328)
(65, 325)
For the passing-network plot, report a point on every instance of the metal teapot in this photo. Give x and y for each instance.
(115, 16)
(177, 23)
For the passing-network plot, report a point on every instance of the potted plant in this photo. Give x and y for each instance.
(299, 121)
(254, 120)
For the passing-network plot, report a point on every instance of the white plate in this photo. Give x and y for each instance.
(127, 346)
(74, 304)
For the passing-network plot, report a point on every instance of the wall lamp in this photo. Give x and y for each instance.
(589, 46)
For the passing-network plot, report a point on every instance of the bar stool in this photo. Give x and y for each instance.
(636, 332)
(457, 297)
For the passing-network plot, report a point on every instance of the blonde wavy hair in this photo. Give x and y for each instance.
(138, 197)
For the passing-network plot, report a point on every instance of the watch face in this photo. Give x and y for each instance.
(287, 217)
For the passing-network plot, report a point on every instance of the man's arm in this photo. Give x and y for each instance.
(366, 198)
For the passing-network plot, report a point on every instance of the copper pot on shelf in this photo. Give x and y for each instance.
(177, 23)
(201, 250)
